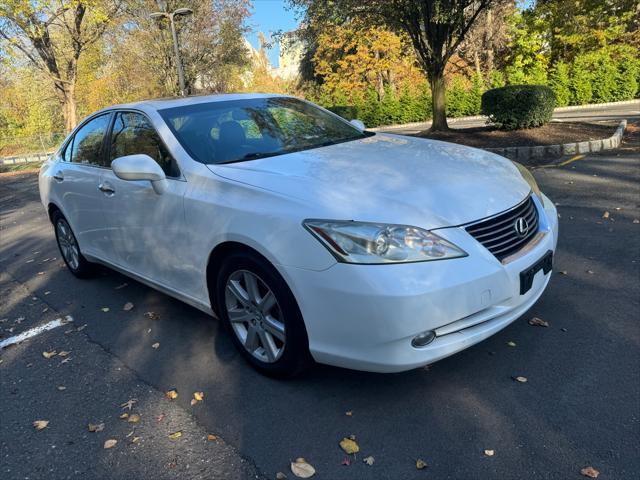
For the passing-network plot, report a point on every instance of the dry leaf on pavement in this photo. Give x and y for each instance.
(152, 315)
(198, 396)
(349, 446)
(50, 354)
(155, 345)
(605, 215)
(280, 476)
(302, 469)
(124, 416)
(110, 443)
(489, 453)
(95, 427)
(349, 413)
(105, 309)
(127, 306)
(346, 461)
(538, 322)
(61, 388)
(369, 460)
(590, 472)
(172, 394)
(63, 353)
(511, 344)
(40, 424)
(212, 437)
(421, 464)
(175, 435)
(133, 418)
(520, 379)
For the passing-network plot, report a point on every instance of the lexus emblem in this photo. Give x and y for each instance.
(521, 226)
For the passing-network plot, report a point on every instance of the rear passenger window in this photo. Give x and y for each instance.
(133, 134)
(86, 147)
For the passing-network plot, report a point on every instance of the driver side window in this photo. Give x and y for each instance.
(133, 134)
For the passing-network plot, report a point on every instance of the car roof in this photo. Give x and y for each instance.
(163, 103)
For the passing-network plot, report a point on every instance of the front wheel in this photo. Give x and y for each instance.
(69, 248)
(258, 308)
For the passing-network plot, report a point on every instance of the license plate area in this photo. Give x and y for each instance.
(526, 276)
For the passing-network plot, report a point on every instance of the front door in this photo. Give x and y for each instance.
(147, 230)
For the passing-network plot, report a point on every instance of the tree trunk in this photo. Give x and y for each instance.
(438, 105)
(66, 95)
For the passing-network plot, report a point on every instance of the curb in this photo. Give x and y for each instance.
(589, 146)
(482, 117)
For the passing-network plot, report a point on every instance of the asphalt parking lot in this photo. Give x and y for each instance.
(579, 407)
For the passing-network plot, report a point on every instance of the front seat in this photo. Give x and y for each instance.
(231, 143)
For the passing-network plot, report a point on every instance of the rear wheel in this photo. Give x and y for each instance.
(258, 308)
(69, 248)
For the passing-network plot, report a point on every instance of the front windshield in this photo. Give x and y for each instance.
(240, 130)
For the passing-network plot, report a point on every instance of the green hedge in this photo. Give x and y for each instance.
(519, 106)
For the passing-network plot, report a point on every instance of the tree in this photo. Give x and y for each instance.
(53, 36)
(436, 29)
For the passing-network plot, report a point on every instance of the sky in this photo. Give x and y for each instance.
(270, 16)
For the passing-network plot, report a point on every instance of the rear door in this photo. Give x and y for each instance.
(76, 182)
(147, 230)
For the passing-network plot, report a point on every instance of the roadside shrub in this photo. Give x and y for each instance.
(457, 97)
(559, 83)
(580, 84)
(519, 106)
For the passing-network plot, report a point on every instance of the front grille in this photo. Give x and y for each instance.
(499, 235)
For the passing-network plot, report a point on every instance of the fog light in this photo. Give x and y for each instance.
(425, 338)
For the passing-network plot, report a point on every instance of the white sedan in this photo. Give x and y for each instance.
(308, 236)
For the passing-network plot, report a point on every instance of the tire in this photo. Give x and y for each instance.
(69, 248)
(292, 355)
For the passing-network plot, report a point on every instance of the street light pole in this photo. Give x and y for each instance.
(174, 35)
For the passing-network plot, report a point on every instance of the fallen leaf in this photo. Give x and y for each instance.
(563, 329)
(121, 286)
(346, 461)
(511, 344)
(302, 469)
(40, 424)
(110, 443)
(129, 403)
(198, 396)
(193, 402)
(590, 472)
(349, 413)
(61, 388)
(636, 220)
(133, 418)
(590, 272)
(50, 354)
(562, 272)
(349, 446)
(63, 353)
(68, 359)
(172, 394)
(280, 476)
(489, 453)
(421, 464)
(538, 322)
(152, 315)
(175, 435)
(127, 306)
(212, 437)
(155, 345)
(124, 416)
(520, 379)
(135, 439)
(369, 460)
(81, 327)
(95, 427)
(105, 309)
(605, 215)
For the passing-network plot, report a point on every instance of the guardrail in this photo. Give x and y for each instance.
(26, 158)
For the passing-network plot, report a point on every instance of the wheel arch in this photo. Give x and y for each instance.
(52, 208)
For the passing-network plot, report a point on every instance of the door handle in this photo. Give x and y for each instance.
(106, 188)
(58, 176)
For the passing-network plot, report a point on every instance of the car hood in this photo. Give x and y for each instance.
(391, 179)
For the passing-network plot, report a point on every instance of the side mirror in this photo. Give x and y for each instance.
(359, 124)
(140, 167)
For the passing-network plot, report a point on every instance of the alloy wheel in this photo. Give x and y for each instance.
(68, 244)
(255, 316)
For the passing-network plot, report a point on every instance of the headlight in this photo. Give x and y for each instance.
(361, 242)
(526, 174)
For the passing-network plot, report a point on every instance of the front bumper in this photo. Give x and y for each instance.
(364, 316)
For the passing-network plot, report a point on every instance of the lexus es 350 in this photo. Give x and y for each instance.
(308, 236)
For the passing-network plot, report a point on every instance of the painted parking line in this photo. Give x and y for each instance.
(32, 332)
(575, 158)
